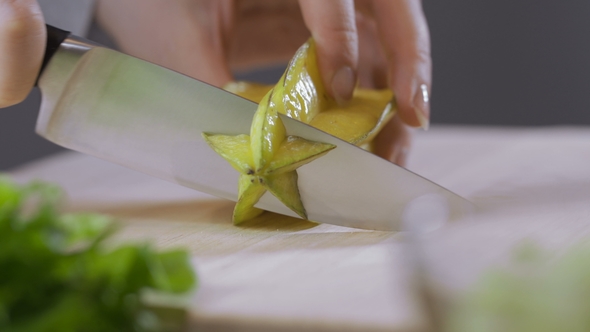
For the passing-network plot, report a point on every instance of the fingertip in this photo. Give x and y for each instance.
(11, 99)
(410, 75)
(333, 26)
(406, 40)
(22, 41)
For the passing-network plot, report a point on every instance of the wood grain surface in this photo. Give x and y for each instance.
(284, 274)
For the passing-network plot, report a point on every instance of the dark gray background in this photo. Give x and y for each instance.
(496, 62)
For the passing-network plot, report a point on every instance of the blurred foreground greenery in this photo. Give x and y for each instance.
(56, 273)
(540, 292)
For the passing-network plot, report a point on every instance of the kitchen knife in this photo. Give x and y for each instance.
(148, 118)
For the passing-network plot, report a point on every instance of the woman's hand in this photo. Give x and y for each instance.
(394, 45)
(389, 46)
(379, 43)
(22, 45)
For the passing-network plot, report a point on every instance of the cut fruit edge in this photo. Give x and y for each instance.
(259, 167)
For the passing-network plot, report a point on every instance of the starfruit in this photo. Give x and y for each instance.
(300, 94)
(267, 159)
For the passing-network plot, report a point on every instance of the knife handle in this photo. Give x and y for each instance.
(55, 37)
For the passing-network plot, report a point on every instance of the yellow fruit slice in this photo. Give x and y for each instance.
(360, 120)
(267, 161)
(284, 187)
(300, 95)
(250, 189)
(267, 132)
(249, 90)
(268, 158)
(296, 152)
(234, 149)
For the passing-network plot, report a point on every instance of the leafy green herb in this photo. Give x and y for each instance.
(56, 274)
(539, 293)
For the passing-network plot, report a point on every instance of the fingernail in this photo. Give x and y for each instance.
(422, 106)
(343, 83)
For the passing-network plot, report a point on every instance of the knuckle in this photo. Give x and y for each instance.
(340, 40)
(342, 30)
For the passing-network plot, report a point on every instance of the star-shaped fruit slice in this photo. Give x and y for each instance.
(301, 95)
(267, 161)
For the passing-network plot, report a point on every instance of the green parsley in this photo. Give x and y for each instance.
(540, 292)
(57, 274)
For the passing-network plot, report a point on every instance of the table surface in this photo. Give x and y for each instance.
(285, 274)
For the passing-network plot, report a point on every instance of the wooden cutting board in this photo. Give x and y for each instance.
(290, 275)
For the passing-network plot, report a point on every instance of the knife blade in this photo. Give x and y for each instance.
(148, 118)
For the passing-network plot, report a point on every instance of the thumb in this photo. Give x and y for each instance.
(22, 45)
(333, 27)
